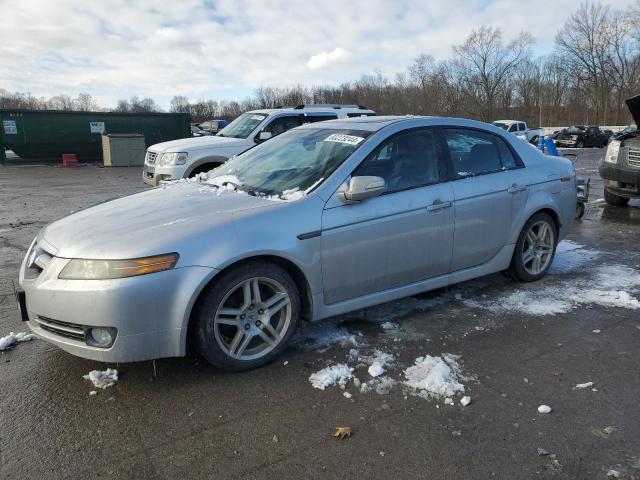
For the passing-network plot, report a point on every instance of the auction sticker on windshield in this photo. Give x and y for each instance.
(340, 138)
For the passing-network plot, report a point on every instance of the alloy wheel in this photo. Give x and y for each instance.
(252, 318)
(537, 249)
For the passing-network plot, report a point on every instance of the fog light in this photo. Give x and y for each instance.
(102, 337)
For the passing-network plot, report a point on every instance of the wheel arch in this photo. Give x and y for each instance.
(298, 276)
(213, 160)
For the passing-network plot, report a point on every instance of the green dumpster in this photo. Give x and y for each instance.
(44, 135)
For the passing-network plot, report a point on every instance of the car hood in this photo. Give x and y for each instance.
(633, 104)
(197, 143)
(156, 221)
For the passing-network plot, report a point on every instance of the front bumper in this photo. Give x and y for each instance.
(149, 312)
(620, 180)
(155, 175)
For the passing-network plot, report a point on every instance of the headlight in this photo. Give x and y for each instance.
(80, 269)
(574, 137)
(174, 158)
(612, 152)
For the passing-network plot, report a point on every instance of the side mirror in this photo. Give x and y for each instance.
(362, 188)
(262, 136)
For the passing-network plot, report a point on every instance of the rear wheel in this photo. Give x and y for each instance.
(535, 249)
(247, 317)
(615, 200)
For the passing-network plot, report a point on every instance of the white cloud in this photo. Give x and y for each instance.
(325, 59)
(205, 49)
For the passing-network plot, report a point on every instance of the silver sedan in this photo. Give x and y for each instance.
(324, 219)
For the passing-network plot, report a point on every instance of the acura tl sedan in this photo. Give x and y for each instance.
(324, 219)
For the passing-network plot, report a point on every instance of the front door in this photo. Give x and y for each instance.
(401, 237)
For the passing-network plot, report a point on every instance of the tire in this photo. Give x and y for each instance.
(580, 144)
(235, 339)
(522, 267)
(579, 210)
(615, 200)
(203, 169)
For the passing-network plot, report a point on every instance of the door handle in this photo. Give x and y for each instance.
(438, 205)
(515, 188)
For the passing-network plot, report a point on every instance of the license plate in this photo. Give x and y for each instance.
(21, 300)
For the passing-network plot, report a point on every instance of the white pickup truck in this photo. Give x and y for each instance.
(520, 130)
(187, 157)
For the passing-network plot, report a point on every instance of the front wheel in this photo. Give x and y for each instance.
(535, 249)
(615, 200)
(247, 316)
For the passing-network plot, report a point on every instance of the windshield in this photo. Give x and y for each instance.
(501, 125)
(295, 161)
(576, 129)
(242, 126)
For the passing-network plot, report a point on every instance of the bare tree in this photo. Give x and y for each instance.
(484, 65)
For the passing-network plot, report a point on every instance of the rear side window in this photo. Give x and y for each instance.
(319, 118)
(522, 127)
(282, 124)
(477, 153)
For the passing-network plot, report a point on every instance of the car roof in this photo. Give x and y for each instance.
(374, 124)
(315, 109)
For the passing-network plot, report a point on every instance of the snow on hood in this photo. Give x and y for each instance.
(633, 104)
(154, 221)
(197, 143)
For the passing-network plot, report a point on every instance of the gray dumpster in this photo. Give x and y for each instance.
(123, 149)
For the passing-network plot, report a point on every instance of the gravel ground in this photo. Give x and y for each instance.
(197, 422)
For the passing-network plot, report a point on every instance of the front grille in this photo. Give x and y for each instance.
(64, 329)
(634, 157)
(151, 157)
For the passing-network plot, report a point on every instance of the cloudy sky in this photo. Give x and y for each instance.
(224, 49)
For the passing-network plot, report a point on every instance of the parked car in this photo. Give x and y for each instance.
(620, 167)
(324, 219)
(186, 158)
(213, 126)
(580, 136)
(626, 132)
(197, 132)
(520, 130)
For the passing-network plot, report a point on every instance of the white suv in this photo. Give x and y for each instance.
(187, 157)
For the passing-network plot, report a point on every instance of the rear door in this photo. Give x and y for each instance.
(489, 194)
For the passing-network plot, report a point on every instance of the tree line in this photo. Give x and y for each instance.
(593, 68)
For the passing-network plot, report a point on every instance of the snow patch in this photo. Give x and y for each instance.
(544, 409)
(15, 338)
(329, 376)
(376, 369)
(584, 385)
(466, 400)
(380, 385)
(435, 377)
(102, 378)
(608, 285)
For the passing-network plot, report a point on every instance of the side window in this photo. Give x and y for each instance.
(406, 160)
(282, 124)
(513, 127)
(477, 153)
(319, 118)
(522, 127)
